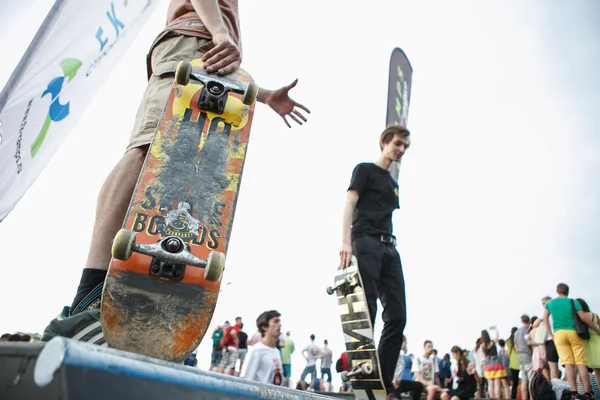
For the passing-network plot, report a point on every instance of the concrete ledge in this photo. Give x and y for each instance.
(66, 369)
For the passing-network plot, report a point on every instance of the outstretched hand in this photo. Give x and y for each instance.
(280, 101)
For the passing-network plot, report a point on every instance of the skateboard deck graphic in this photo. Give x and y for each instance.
(164, 278)
(363, 358)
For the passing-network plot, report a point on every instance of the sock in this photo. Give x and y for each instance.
(90, 278)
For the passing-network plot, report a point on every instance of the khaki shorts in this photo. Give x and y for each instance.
(165, 56)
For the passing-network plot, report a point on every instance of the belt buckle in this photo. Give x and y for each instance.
(389, 239)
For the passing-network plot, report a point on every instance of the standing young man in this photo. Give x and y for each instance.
(325, 367)
(207, 29)
(286, 357)
(570, 347)
(523, 345)
(367, 233)
(263, 362)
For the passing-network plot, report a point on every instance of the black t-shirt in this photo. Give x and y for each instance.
(243, 337)
(377, 200)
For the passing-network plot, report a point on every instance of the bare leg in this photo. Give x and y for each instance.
(546, 373)
(112, 205)
(570, 371)
(506, 388)
(553, 369)
(585, 378)
(524, 390)
(492, 388)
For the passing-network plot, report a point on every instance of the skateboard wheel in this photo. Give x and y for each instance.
(330, 290)
(183, 72)
(250, 94)
(366, 369)
(350, 280)
(214, 266)
(122, 244)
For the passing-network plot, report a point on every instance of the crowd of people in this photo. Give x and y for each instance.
(20, 337)
(526, 365)
(522, 366)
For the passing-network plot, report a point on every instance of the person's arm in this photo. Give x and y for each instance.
(236, 339)
(588, 320)
(226, 56)
(346, 249)
(496, 334)
(398, 372)
(280, 102)
(251, 366)
(546, 318)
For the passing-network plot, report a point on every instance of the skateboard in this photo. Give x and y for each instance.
(364, 373)
(167, 260)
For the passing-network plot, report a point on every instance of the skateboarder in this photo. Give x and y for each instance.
(263, 362)
(367, 233)
(206, 29)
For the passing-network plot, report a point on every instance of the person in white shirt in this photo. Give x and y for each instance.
(551, 353)
(263, 361)
(311, 353)
(425, 369)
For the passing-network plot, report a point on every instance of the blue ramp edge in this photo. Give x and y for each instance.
(71, 361)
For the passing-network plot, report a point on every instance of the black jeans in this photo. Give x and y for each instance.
(381, 272)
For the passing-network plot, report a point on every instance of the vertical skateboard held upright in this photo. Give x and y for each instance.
(365, 373)
(164, 278)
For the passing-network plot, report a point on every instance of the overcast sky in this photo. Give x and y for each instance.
(499, 190)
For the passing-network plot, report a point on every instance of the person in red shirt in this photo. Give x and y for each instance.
(230, 344)
(343, 365)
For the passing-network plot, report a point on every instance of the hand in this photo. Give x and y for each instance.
(396, 383)
(224, 58)
(280, 101)
(345, 255)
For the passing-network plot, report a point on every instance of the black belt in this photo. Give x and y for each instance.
(389, 239)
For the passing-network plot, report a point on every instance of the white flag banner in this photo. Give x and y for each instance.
(75, 49)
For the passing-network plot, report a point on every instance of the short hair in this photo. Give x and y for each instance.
(263, 320)
(501, 342)
(325, 341)
(427, 341)
(562, 288)
(525, 319)
(390, 131)
(312, 337)
(546, 298)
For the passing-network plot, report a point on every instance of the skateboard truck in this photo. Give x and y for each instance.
(362, 368)
(213, 95)
(170, 256)
(346, 286)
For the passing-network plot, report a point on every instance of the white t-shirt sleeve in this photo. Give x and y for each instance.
(416, 366)
(399, 368)
(251, 365)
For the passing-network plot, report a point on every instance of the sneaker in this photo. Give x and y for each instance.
(83, 324)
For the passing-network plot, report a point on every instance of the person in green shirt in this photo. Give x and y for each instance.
(286, 358)
(570, 347)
